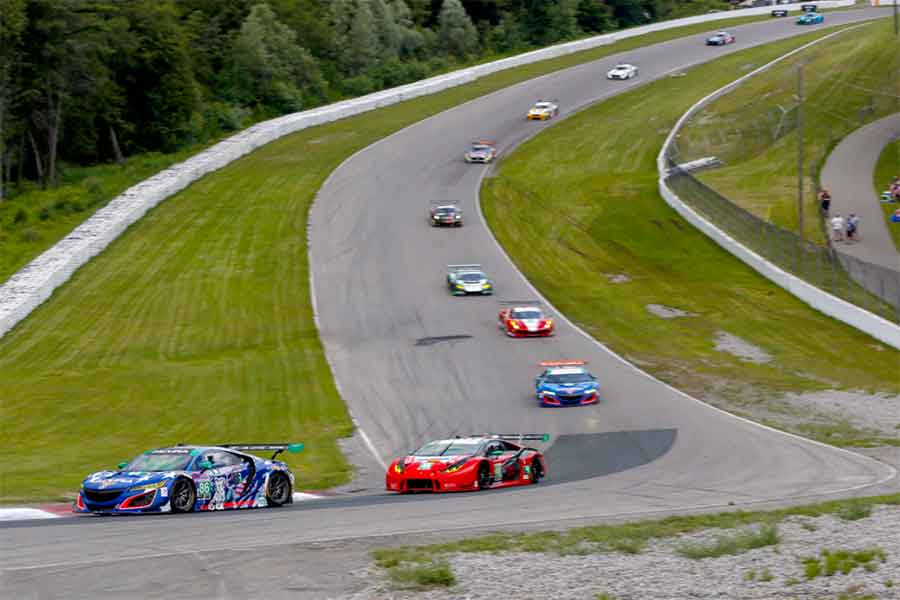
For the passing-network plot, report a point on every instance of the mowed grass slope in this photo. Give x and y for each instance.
(196, 325)
(578, 205)
(846, 84)
(886, 169)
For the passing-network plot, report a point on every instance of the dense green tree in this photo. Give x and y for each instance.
(594, 16)
(12, 23)
(456, 32)
(269, 68)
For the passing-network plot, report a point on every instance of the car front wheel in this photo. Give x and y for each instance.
(484, 476)
(183, 496)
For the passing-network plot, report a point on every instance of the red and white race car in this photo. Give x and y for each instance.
(475, 462)
(525, 320)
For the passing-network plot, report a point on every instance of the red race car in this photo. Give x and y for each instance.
(470, 463)
(524, 320)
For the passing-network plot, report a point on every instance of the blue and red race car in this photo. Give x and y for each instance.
(475, 462)
(191, 478)
(566, 383)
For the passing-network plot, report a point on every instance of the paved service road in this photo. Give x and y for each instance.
(848, 176)
(379, 288)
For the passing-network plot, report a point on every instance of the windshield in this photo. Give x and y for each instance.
(446, 211)
(161, 461)
(526, 314)
(622, 67)
(542, 105)
(448, 448)
(568, 378)
(471, 276)
(481, 148)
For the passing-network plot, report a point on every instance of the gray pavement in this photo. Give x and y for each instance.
(847, 175)
(644, 450)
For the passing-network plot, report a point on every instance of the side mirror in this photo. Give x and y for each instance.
(122, 465)
(205, 465)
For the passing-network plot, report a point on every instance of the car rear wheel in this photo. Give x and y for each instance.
(278, 491)
(537, 471)
(484, 476)
(183, 496)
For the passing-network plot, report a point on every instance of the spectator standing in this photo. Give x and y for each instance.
(837, 228)
(825, 202)
(852, 227)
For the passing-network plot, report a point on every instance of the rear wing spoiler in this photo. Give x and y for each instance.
(484, 142)
(520, 302)
(562, 363)
(276, 449)
(537, 437)
(454, 268)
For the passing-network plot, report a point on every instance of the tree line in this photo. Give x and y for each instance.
(89, 81)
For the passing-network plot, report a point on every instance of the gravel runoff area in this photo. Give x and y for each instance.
(659, 572)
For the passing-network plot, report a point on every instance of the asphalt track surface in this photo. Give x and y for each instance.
(379, 274)
(848, 176)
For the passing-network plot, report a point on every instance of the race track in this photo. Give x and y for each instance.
(378, 272)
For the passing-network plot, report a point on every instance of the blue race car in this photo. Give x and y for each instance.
(566, 383)
(810, 19)
(188, 478)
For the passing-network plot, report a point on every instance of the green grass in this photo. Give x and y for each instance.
(196, 324)
(854, 511)
(833, 562)
(34, 220)
(422, 576)
(886, 169)
(844, 85)
(608, 538)
(579, 204)
(731, 544)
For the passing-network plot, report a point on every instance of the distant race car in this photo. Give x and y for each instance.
(720, 39)
(446, 214)
(475, 462)
(521, 319)
(481, 152)
(810, 18)
(780, 12)
(468, 279)
(566, 383)
(183, 479)
(623, 71)
(543, 110)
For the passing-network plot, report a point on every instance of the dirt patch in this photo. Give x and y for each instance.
(668, 312)
(732, 344)
(877, 412)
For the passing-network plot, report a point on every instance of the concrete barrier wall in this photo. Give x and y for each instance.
(34, 283)
(853, 315)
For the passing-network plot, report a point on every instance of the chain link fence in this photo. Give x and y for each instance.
(869, 286)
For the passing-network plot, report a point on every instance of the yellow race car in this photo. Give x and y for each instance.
(543, 110)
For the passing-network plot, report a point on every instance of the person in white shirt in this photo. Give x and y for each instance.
(837, 227)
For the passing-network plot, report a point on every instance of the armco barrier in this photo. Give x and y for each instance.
(861, 319)
(34, 283)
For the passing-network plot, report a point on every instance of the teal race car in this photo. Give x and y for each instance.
(810, 18)
(468, 279)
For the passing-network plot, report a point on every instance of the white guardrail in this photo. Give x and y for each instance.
(35, 282)
(853, 315)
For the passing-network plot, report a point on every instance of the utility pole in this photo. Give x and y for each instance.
(800, 150)
(896, 22)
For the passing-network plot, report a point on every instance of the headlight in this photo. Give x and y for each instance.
(486, 286)
(547, 393)
(514, 324)
(453, 467)
(460, 286)
(148, 487)
(398, 468)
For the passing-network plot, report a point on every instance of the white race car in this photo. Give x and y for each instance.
(623, 71)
